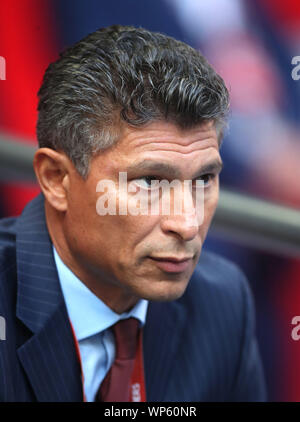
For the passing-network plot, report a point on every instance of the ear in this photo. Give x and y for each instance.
(52, 169)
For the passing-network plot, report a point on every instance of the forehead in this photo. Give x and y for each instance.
(162, 142)
(168, 136)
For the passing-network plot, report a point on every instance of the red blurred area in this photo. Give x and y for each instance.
(285, 297)
(285, 14)
(28, 42)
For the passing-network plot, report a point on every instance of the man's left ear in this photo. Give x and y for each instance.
(52, 169)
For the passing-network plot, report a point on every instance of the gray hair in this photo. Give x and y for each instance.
(124, 74)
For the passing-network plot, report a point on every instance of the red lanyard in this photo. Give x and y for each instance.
(137, 383)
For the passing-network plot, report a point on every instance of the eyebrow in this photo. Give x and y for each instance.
(174, 172)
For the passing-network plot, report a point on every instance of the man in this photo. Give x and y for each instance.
(87, 253)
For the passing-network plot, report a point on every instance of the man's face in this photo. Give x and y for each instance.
(144, 256)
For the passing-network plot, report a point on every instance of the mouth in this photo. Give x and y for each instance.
(172, 264)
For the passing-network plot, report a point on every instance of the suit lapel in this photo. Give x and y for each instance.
(48, 357)
(162, 333)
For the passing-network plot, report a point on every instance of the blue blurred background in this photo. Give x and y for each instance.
(251, 44)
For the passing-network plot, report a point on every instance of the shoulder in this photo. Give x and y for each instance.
(8, 265)
(218, 274)
(219, 291)
(7, 243)
(220, 306)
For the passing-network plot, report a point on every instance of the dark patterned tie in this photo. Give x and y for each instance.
(116, 384)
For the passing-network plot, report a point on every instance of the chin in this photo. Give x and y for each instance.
(167, 291)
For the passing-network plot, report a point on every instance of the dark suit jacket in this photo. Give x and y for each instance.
(201, 347)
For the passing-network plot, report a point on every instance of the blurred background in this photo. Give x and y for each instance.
(251, 44)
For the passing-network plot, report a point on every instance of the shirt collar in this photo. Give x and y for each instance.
(88, 314)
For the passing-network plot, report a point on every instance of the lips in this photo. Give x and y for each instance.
(172, 264)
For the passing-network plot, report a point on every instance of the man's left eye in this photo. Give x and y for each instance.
(145, 182)
(206, 178)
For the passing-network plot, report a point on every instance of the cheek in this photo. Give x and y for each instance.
(81, 229)
(133, 234)
(82, 207)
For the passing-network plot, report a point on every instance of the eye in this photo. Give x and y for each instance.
(146, 182)
(206, 179)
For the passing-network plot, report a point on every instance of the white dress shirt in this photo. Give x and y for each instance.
(91, 319)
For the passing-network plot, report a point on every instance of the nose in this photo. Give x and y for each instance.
(184, 224)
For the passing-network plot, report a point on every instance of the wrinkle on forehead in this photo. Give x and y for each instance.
(161, 140)
(177, 148)
(167, 136)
